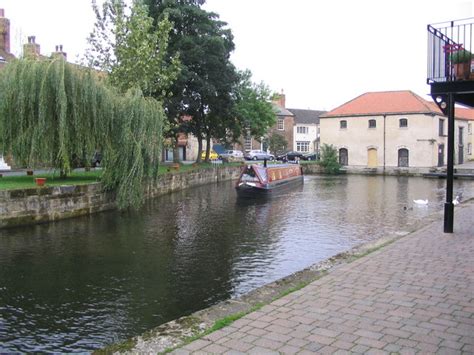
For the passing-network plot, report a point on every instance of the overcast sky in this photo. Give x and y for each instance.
(320, 53)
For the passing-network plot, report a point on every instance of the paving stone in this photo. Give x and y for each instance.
(412, 296)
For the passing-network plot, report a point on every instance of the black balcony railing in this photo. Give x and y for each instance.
(450, 48)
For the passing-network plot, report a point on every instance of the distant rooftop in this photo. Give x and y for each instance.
(306, 116)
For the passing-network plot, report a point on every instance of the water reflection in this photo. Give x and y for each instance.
(79, 284)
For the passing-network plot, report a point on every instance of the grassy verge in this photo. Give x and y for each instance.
(26, 181)
(87, 177)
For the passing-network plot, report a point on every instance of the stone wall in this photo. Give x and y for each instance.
(37, 205)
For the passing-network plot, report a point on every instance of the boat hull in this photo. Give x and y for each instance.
(272, 189)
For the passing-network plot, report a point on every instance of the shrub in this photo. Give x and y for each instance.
(329, 160)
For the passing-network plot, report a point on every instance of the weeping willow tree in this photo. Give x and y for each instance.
(52, 111)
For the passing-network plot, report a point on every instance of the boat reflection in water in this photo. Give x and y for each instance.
(261, 180)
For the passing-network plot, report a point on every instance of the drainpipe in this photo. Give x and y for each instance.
(384, 140)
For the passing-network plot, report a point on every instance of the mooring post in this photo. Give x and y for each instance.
(448, 206)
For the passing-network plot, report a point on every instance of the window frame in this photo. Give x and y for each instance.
(343, 124)
(300, 144)
(441, 127)
(304, 129)
(281, 124)
(405, 120)
(372, 123)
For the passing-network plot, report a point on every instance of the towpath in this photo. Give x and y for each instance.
(415, 295)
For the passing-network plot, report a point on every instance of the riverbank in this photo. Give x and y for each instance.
(406, 292)
(20, 207)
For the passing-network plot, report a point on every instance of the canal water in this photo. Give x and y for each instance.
(80, 284)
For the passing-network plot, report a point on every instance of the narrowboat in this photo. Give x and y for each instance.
(261, 180)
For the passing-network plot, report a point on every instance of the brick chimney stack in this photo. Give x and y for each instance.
(280, 99)
(31, 49)
(4, 32)
(59, 52)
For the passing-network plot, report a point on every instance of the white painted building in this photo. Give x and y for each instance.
(396, 129)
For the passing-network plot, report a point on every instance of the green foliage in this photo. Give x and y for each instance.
(329, 159)
(277, 143)
(52, 112)
(204, 87)
(254, 110)
(461, 56)
(125, 44)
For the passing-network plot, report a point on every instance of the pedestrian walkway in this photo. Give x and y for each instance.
(413, 296)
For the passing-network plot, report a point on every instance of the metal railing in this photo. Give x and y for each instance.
(450, 47)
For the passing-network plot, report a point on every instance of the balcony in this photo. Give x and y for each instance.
(450, 60)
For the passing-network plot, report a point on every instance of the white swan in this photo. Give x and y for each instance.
(421, 202)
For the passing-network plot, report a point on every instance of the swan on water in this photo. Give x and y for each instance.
(421, 202)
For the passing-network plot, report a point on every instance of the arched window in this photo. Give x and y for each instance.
(343, 157)
(403, 122)
(403, 158)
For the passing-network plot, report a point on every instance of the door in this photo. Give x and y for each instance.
(343, 157)
(403, 158)
(441, 155)
(372, 158)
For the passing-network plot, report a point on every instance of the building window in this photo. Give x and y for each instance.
(343, 157)
(469, 128)
(403, 122)
(469, 148)
(343, 124)
(302, 147)
(302, 130)
(403, 158)
(441, 127)
(461, 136)
(280, 124)
(372, 123)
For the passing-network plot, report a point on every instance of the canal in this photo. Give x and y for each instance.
(80, 284)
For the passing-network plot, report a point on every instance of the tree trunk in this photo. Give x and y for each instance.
(198, 159)
(176, 151)
(208, 148)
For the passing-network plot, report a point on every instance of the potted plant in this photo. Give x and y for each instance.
(40, 181)
(461, 61)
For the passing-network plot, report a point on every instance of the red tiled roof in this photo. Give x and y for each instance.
(464, 113)
(386, 102)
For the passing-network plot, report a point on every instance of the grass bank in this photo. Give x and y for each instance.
(13, 182)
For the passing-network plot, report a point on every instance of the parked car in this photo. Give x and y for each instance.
(212, 155)
(258, 155)
(310, 156)
(231, 155)
(294, 156)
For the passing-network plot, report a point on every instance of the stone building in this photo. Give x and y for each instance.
(392, 130)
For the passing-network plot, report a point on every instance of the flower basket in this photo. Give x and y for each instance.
(40, 181)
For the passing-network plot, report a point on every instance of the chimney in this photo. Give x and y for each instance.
(4, 32)
(280, 99)
(59, 52)
(31, 49)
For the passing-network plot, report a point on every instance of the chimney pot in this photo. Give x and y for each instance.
(60, 47)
